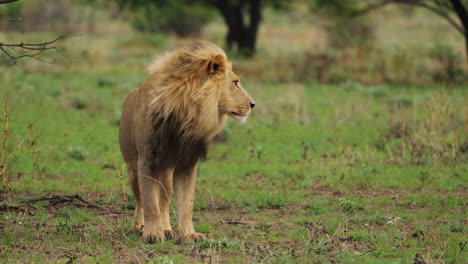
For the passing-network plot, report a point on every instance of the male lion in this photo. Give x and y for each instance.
(165, 128)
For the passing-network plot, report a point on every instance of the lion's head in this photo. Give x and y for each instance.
(234, 100)
(197, 85)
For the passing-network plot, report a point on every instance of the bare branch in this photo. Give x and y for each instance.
(60, 199)
(10, 58)
(56, 199)
(441, 9)
(436, 11)
(461, 12)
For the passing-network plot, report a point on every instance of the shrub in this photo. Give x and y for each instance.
(449, 64)
(175, 17)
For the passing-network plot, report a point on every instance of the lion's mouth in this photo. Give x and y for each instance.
(239, 117)
(234, 114)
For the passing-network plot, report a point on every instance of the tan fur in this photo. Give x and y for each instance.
(165, 127)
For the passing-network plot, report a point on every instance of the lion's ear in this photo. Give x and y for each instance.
(216, 65)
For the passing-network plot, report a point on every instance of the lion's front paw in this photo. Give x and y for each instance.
(153, 238)
(169, 234)
(192, 237)
(136, 229)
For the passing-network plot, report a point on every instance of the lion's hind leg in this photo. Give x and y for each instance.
(139, 219)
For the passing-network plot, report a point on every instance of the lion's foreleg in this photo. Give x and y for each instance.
(150, 189)
(164, 204)
(133, 177)
(184, 187)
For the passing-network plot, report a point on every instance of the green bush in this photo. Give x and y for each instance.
(183, 20)
(449, 63)
(12, 10)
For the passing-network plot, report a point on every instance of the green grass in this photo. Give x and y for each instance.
(319, 173)
(341, 185)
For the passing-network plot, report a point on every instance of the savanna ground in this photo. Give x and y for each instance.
(320, 173)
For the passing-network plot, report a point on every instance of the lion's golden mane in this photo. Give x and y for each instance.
(184, 101)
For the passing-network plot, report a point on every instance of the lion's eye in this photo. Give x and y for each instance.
(237, 84)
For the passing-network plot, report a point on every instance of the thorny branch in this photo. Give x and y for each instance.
(3, 167)
(28, 143)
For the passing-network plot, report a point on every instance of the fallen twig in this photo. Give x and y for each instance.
(6, 207)
(56, 199)
(59, 199)
(230, 222)
(88, 205)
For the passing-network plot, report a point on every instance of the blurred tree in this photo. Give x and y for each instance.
(242, 32)
(454, 12)
(242, 17)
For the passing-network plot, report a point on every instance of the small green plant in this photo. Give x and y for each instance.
(377, 91)
(77, 153)
(378, 219)
(418, 231)
(403, 100)
(203, 227)
(103, 81)
(456, 227)
(349, 205)
(80, 101)
(256, 151)
(219, 243)
(315, 208)
(359, 236)
(423, 177)
(200, 204)
(163, 260)
(269, 201)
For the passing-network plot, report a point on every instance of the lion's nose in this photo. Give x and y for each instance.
(252, 104)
